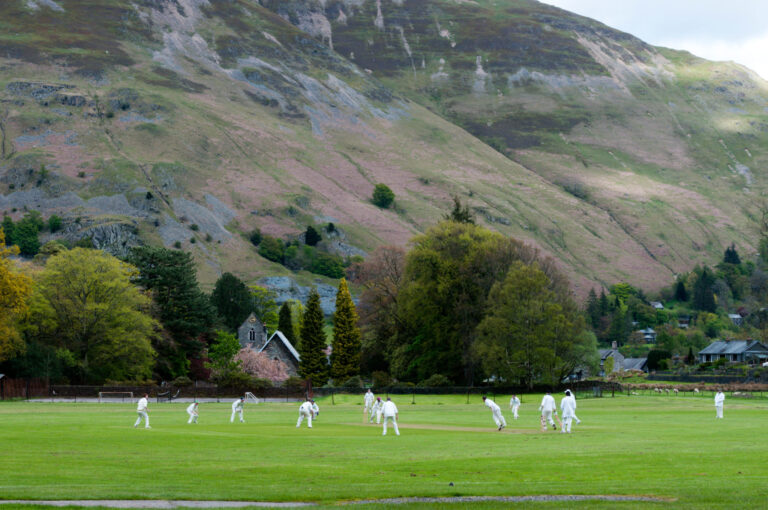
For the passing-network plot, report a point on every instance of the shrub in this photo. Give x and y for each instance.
(272, 249)
(381, 379)
(294, 383)
(311, 236)
(195, 227)
(328, 265)
(435, 381)
(255, 237)
(383, 196)
(330, 228)
(182, 381)
(54, 223)
(353, 382)
(192, 240)
(177, 245)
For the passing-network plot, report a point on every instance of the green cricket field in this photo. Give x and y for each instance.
(668, 448)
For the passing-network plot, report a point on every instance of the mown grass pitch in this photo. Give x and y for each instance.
(670, 447)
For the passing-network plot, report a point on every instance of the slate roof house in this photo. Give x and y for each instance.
(649, 335)
(613, 352)
(253, 334)
(745, 351)
(636, 364)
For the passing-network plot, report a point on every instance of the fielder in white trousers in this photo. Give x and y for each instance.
(305, 411)
(546, 408)
(514, 404)
(237, 407)
(389, 410)
(719, 400)
(498, 418)
(143, 412)
(192, 412)
(376, 410)
(568, 410)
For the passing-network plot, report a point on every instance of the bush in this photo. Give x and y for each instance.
(294, 383)
(272, 249)
(383, 196)
(194, 227)
(353, 382)
(655, 357)
(54, 223)
(327, 265)
(381, 379)
(182, 381)
(435, 381)
(311, 236)
(255, 237)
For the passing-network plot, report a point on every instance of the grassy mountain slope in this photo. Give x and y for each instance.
(624, 161)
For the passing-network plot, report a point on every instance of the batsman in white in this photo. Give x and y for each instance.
(237, 406)
(367, 402)
(568, 409)
(496, 410)
(376, 410)
(192, 412)
(143, 411)
(719, 400)
(514, 404)
(389, 410)
(305, 411)
(547, 407)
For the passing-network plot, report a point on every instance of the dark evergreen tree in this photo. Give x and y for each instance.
(285, 323)
(232, 300)
(681, 294)
(689, 358)
(703, 295)
(731, 255)
(313, 364)
(593, 309)
(621, 327)
(460, 213)
(605, 306)
(383, 196)
(347, 338)
(184, 310)
(312, 236)
(9, 229)
(25, 237)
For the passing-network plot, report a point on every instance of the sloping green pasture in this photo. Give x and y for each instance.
(668, 447)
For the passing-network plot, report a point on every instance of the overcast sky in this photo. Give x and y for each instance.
(734, 30)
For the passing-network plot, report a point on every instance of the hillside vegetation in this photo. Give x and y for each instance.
(192, 123)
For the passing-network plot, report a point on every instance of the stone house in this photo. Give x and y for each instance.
(252, 334)
(618, 359)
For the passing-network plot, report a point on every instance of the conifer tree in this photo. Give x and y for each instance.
(285, 323)
(345, 356)
(593, 308)
(313, 363)
(681, 293)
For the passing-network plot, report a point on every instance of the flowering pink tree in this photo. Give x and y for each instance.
(259, 364)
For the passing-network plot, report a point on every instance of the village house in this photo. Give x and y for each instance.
(613, 353)
(252, 334)
(744, 351)
(649, 335)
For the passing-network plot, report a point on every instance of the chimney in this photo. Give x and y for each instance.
(613, 345)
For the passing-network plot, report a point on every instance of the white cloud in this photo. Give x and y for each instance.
(713, 29)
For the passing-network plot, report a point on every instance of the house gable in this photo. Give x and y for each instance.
(252, 332)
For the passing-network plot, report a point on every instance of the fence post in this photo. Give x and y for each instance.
(467, 395)
(333, 400)
(27, 388)
(413, 398)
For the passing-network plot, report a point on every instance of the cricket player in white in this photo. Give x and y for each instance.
(143, 412)
(389, 410)
(368, 402)
(514, 404)
(376, 409)
(568, 408)
(496, 410)
(719, 399)
(547, 407)
(237, 406)
(305, 411)
(315, 409)
(192, 412)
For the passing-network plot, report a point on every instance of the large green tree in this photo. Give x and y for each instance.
(15, 289)
(528, 335)
(85, 302)
(448, 275)
(313, 364)
(264, 306)
(703, 295)
(232, 300)
(184, 310)
(346, 343)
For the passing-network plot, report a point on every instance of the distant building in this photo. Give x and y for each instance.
(649, 335)
(683, 322)
(252, 334)
(736, 318)
(618, 359)
(744, 351)
(636, 364)
(657, 305)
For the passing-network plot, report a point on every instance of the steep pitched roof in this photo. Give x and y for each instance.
(281, 338)
(635, 363)
(733, 347)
